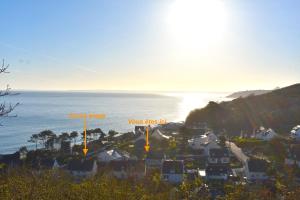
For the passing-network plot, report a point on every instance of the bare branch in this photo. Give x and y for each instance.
(3, 68)
(5, 109)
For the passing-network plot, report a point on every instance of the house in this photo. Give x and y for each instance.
(256, 169)
(157, 134)
(45, 164)
(210, 145)
(139, 129)
(124, 169)
(82, 168)
(123, 136)
(154, 159)
(265, 134)
(204, 142)
(190, 155)
(173, 171)
(293, 155)
(217, 172)
(218, 156)
(113, 154)
(295, 133)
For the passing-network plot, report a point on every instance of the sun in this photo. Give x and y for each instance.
(197, 24)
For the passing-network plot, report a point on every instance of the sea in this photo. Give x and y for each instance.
(44, 110)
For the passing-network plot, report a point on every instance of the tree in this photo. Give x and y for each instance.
(74, 135)
(111, 133)
(4, 108)
(102, 136)
(64, 136)
(23, 151)
(97, 132)
(222, 140)
(44, 136)
(34, 139)
(51, 139)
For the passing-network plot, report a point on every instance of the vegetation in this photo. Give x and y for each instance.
(279, 109)
(5, 109)
(25, 184)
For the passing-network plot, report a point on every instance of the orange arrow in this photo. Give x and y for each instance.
(85, 116)
(85, 150)
(147, 146)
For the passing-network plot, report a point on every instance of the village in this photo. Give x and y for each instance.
(178, 153)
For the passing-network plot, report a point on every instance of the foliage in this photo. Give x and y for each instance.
(279, 109)
(24, 184)
(247, 142)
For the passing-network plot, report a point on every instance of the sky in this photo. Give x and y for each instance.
(154, 45)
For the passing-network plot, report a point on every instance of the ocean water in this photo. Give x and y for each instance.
(39, 111)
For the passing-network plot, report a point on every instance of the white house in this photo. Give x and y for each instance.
(293, 155)
(82, 168)
(172, 171)
(295, 133)
(256, 169)
(265, 135)
(113, 154)
(202, 141)
(218, 156)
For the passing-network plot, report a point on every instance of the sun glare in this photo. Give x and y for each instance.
(197, 24)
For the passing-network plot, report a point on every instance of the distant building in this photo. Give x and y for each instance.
(154, 160)
(293, 155)
(139, 129)
(123, 136)
(218, 156)
(256, 169)
(295, 133)
(204, 142)
(124, 169)
(265, 134)
(173, 171)
(45, 164)
(157, 134)
(113, 154)
(82, 168)
(217, 172)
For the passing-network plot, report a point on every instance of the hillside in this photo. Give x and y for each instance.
(247, 93)
(279, 109)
